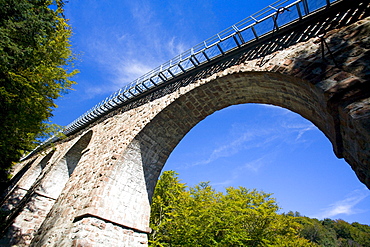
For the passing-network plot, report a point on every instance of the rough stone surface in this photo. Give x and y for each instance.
(108, 170)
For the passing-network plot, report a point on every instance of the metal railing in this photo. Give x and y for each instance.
(269, 19)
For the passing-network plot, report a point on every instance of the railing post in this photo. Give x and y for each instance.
(305, 7)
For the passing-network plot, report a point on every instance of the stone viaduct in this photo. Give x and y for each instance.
(94, 187)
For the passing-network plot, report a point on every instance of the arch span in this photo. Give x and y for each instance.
(167, 129)
(53, 183)
(123, 193)
(129, 184)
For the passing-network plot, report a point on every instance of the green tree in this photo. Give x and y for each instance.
(168, 193)
(318, 232)
(351, 234)
(288, 232)
(35, 62)
(361, 227)
(329, 232)
(343, 229)
(201, 216)
(361, 233)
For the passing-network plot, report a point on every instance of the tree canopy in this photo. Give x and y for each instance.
(35, 69)
(201, 216)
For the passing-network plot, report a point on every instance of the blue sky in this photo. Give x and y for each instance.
(255, 146)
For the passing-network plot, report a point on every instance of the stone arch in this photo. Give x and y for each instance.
(43, 192)
(128, 186)
(165, 131)
(54, 182)
(12, 184)
(25, 178)
(21, 173)
(36, 171)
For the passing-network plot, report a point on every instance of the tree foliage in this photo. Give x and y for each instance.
(329, 232)
(201, 216)
(35, 62)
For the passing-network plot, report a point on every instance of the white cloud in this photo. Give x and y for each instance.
(92, 91)
(345, 206)
(278, 109)
(125, 52)
(128, 70)
(246, 137)
(226, 150)
(289, 123)
(304, 129)
(176, 47)
(255, 165)
(299, 129)
(224, 183)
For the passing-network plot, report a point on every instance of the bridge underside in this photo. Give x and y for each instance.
(95, 187)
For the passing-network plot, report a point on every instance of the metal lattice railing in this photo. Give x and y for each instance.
(248, 30)
(271, 18)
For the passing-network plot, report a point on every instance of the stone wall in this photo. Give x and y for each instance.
(112, 166)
